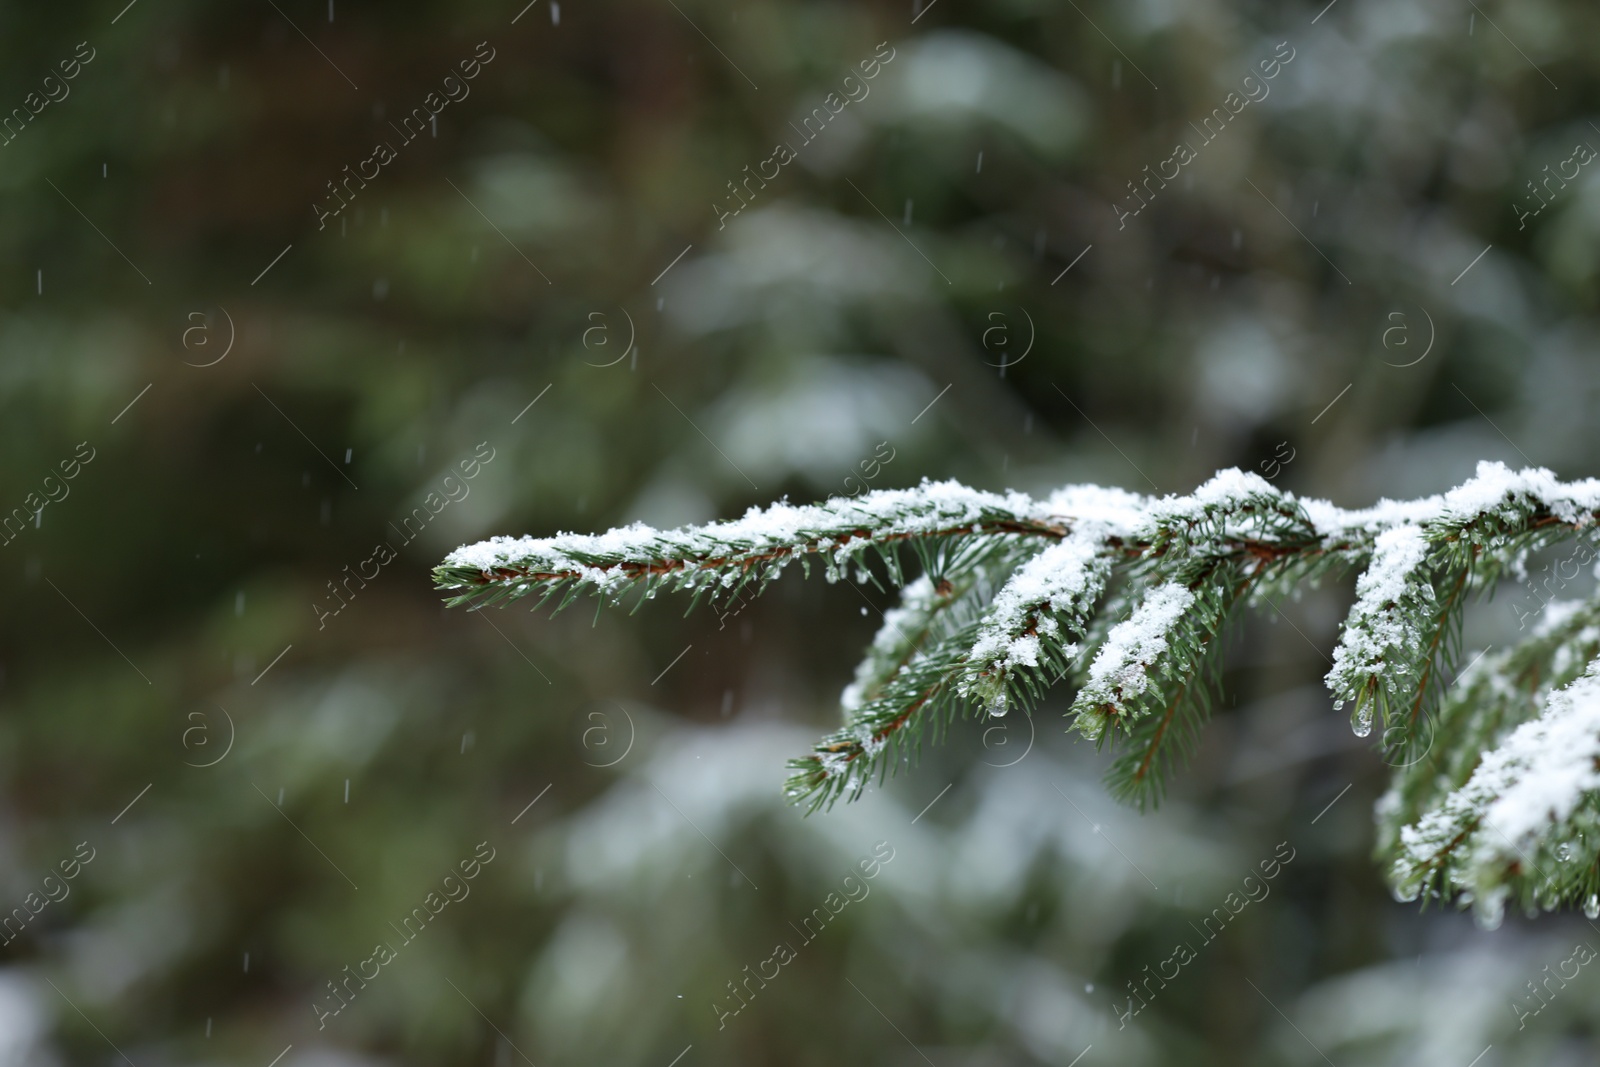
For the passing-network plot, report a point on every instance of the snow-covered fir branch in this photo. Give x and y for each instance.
(1522, 824)
(1125, 597)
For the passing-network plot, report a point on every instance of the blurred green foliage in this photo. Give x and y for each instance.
(179, 577)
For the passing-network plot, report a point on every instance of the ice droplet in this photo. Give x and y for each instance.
(1338, 705)
(1361, 721)
(1564, 852)
(1591, 907)
(998, 708)
(1490, 909)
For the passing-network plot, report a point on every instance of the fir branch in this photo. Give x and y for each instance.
(1011, 594)
(1027, 632)
(1155, 746)
(908, 679)
(1523, 825)
(1499, 690)
(722, 558)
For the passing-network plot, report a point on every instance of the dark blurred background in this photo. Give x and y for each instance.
(273, 756)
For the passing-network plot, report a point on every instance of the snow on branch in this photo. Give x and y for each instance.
(1498, 690)
(1385, 625)
(1120, 671)
(1526, 811)
(726, 555)
(1125, 598)
(1051, 595)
